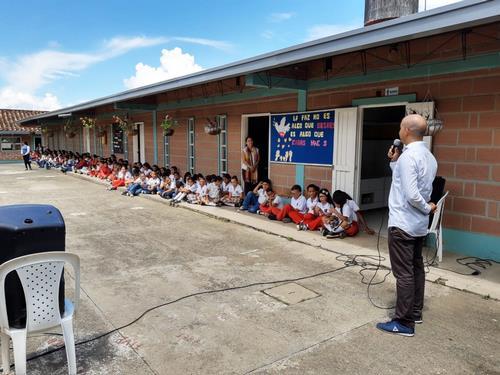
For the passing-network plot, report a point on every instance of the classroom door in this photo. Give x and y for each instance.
(258, 130)
(138, 147)
(347, 151)
(86, 139)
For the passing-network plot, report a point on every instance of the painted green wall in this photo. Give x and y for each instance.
(472, 244)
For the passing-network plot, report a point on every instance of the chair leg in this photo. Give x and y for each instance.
(19, 344)
(69, 343)
(5, 353)
(440, 244)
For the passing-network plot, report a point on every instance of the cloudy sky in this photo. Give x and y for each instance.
(58, 53)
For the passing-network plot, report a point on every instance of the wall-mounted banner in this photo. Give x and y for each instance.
(302, 138)
(117, 134)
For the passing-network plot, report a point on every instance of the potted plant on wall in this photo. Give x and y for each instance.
(88, 122)
(167, 125)
(124, 125)
(211, 127)
(69, 128)
(47, 132)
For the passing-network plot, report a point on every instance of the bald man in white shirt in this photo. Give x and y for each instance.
(413, 172)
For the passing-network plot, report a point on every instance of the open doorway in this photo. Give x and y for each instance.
(37, 140)
(380, 128)
(138, 147)
(258, 129)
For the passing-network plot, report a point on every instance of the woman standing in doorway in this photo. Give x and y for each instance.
(249, 164)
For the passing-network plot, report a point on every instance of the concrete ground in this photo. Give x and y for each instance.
(137, 253)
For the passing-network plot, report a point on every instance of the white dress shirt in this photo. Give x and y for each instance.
(411, 188)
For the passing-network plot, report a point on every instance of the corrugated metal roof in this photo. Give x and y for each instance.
(456, 16)
(9, 119)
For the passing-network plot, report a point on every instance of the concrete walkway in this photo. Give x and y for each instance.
(137, 253)
(486, 285)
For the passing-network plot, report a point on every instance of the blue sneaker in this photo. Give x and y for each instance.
(396, 328)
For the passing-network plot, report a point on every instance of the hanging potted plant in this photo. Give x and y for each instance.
(88, 122)
(124, 125)
(100, 131)
(167, 125)
(211, 127)
(69, 129)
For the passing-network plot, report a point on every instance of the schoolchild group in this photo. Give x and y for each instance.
(334, 215)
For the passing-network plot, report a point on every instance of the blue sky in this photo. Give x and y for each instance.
(59, 53)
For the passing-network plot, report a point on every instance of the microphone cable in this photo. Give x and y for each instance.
(179, 299)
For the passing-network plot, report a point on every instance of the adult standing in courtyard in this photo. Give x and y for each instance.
(250, 159)
(26, 151)
(412, 174)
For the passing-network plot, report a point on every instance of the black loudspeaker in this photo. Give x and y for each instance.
(28, 229)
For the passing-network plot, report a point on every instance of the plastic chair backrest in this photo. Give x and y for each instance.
(436, 220)
(40, 275)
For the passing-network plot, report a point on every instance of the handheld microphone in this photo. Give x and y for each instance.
(397, 144)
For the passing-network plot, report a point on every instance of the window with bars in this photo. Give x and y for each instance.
(191, 154)
(222, 125)
(10, 143)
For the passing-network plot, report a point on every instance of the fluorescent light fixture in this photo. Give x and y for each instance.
(64, 115)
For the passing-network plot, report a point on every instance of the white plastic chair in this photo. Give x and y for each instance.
(436, 228)
(40, 276)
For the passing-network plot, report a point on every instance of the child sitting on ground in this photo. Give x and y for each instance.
(363, 225)
(314, 220)
(104, 171)
(226, 181)
(294, 211)
(136, 187)
(214, 192)
(273, 201)
(234, 196)
(201, 196)
(123, 175)
(258, 196)
(152, 184)
(167, 188)
(188, 190)
(343, 219)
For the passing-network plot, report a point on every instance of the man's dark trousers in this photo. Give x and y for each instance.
(27, 162)
(408, 268)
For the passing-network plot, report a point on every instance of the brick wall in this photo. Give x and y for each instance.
(178, 146)
(468, 151)
(282, 177)
(10, 155)
(15, 154)
(321, 176)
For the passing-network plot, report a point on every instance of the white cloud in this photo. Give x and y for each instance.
(267, 34)
(173, 63)
(120, 45)
(280, 17)
(9, 98)
(25, 76)
(217, 44)
(320, 31)
(431, 4)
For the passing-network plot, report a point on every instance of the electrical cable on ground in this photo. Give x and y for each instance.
(183, 298)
